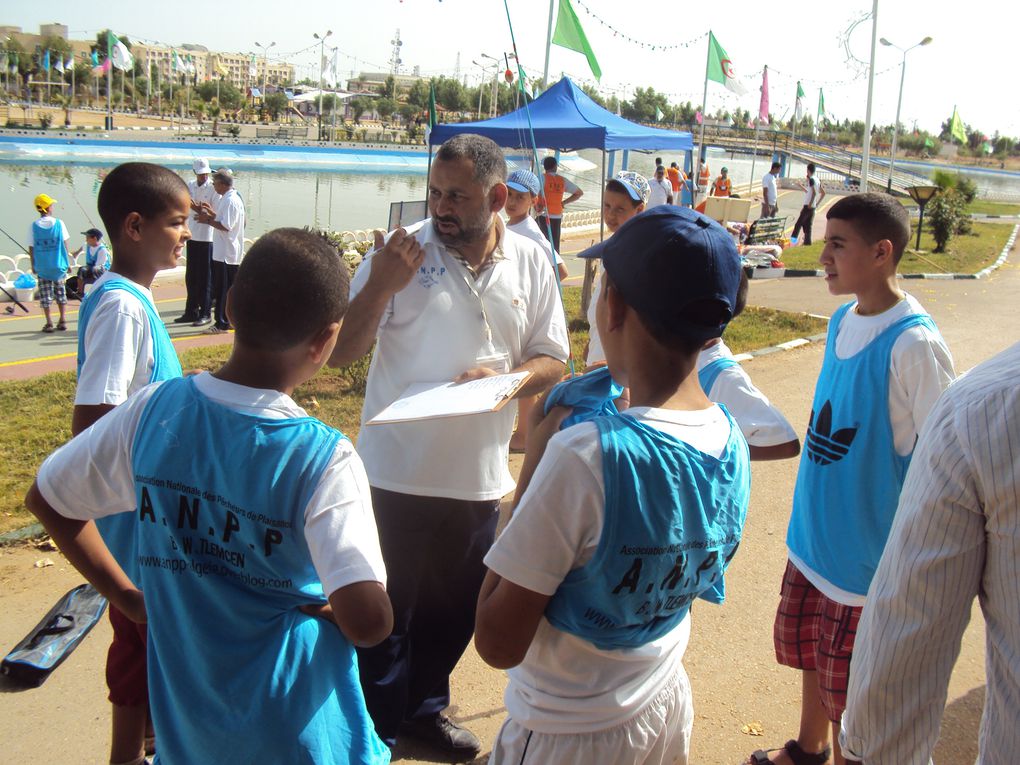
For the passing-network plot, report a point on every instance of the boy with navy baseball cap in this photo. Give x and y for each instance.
(623, 519)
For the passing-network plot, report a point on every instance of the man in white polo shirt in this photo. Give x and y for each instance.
(453, 297)
(227, 222)
(198, 270)
(770, 192)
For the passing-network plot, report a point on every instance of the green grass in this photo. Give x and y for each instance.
(37, 412)
(988, 207)
(966, 254)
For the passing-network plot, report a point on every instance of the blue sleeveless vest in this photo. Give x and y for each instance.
(709, 373)
(850, 476)
(236, 672)
(673, 521)
(118, 530)
(49, 251)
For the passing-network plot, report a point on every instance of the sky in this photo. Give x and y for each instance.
(970, 63)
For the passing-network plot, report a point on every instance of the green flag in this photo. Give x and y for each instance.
(928, 143)
(720, 68)
(821, 106)
(433, 118)
(569, 34)
(658, 114)
(798, 110)
(956, 128)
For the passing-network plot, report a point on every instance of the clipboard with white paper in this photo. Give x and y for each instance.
(424, 401)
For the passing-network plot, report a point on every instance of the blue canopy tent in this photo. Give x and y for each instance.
(565, 118)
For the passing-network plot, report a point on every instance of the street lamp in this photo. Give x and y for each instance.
(922, 195)
(265, 70)
(322, 46)
(899, 101)
(481, 83)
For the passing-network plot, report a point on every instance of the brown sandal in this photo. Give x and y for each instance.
(795, 753)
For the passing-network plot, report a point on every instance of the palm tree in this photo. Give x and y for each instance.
(214, 112)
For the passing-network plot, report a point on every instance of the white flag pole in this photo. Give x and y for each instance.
(704, 116)
(866, 153)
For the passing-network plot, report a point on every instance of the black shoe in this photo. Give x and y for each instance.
(184, 319)
(459, 744)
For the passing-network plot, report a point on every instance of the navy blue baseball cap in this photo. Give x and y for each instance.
(667, 263)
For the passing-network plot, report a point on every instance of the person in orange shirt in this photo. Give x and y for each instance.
(673, 173)
(722, 186)
(703, 178)
(555, 187)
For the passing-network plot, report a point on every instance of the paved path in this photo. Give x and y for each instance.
(730, 659)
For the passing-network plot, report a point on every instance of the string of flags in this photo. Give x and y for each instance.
(649, 46)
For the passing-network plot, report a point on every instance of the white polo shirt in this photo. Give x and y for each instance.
(228, 246)
(202, 232)
(659, 191)
(432, 331)
(768, 184)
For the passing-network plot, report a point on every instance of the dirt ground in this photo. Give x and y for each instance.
(730, 660)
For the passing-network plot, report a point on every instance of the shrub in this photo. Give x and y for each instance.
(967, 188)
(45, 120)
(945, 212)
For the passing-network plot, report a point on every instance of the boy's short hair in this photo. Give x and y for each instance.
(678, 270)
(875, 217)
(810, 167)
(139, 187)
(290, 285)
(776, 166)
(549, 164)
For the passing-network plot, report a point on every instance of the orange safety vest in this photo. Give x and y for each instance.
(554, 188)
(723, 186)
(705, 176)
(674, 178)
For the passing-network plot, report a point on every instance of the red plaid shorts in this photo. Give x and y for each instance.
(126, 673)
(814, 633)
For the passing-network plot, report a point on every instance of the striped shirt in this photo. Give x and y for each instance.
(956, 537)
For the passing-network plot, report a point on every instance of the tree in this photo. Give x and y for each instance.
(385, 107)
(418, 95)
(214, 113)
(450, 94)
(944, 214)
(230, 97)
(642, 107)
(389, 88)
(275, 103)
(594, 95)
(359, 105)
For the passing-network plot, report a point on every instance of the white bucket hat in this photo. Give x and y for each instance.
(201, 167)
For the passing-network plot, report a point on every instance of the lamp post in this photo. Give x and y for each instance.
(265, 70)
(922, 195)
(899, 101)
(322, 47)
(481, 84)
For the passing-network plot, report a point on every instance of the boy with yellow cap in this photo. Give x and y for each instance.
(47, 248)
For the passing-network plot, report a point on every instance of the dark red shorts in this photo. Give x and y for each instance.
(814, 633)
(126, 676)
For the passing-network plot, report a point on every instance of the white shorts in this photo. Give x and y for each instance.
(660, 734)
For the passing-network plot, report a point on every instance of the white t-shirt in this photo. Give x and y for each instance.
(768, 184)
(920, 368)
(46, 221)
(660, 191)
(92, 474)
(118, 347)
(228, 246)
(565, 684)
(596, 354)
(432, 331)
(529, 228)
(760, 422)
(202, 232)
(811, 194)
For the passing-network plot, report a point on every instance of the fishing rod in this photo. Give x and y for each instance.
(4, 289)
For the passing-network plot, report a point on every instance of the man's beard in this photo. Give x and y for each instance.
(467, 232)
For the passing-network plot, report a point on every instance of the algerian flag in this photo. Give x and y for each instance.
(569, 34)
(658, 114)
(12, 60)
(175, 62)
(69, 64)
(821, 109)
(252, 69)
(119, 54)
(956, 129)
(720, 68)
(798, 109)
(59, 66)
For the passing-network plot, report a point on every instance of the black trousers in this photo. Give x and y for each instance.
(805, 221)
(222, 280)
(198, 280)
(433, 549)
(555, 224)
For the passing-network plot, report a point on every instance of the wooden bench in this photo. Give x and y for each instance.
(767, 231)
(281, 132)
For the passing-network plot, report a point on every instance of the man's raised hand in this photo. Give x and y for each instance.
(395, 262)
